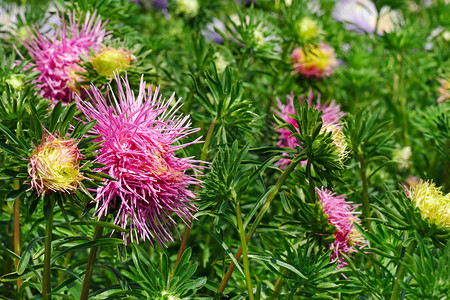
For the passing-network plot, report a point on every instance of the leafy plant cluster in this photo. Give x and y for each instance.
(259, 230)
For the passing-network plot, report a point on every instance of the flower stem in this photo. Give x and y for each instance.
(90, 263)
(262, 212)
(402, 271)
(248, 278)
(17, 230)
(366, 203)
(203, 158)
(46, 287)
(402, 99)
(312, 188)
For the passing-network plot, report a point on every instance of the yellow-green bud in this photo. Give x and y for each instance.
(307, 28)
(54, 166)
(110, 59)
(15, 81)
(189, 8)
(434, 206)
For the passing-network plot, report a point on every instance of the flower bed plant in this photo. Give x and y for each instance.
(213, 149)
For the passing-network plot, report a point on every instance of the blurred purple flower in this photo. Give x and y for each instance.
(210, 32)
(362, 16)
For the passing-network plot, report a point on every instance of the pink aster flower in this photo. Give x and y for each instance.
(56, 56)
(342, 215)
(331, 118)
(317, 62)
(140, 136)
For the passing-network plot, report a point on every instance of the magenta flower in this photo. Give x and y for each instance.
(316, 62)
(56, 56)
(331, 118)
(140, 136)
(342, 215)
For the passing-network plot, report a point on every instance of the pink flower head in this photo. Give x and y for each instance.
(140, 136)
(342, 215)
(317, 62)
(331, 117)
(55, 166)
(56, 56)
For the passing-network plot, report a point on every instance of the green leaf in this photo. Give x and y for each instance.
(227, 250)
(56, 113)
(26, 255)
(100, 224)
(64, 126)
(96, 243)
(14, 194)
(7, 148)
(278, 263)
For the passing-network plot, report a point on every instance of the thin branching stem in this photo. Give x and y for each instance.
(402, 271)
(46, 286)
(366, 203)
(203, 158)
(262, 212)
(90, 264)
(17, 230)
(248, 278)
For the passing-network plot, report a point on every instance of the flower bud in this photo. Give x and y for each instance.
(433, 205)
(307, 28)
(110, 59)
(15, 81)
(54, 166)
(189, 8)
(338, 140)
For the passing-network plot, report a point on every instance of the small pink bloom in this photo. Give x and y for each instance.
(342, 215)
(140, 136)
(56, 56)
(317, 62)
(331, 117)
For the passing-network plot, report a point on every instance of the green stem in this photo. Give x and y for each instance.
(205, 147)
(312, 188)
(17, 230)
(366, 203)
(46, 286)
(402, 271)
(262, 212)
(248, 278)
(90, 263)
(402, 99)
(204, 156)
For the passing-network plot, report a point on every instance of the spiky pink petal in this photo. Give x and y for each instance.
(56, 56)
(342, 215)
(140, 136)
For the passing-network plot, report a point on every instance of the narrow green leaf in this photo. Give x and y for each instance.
(100, 224)
(26, 255)
(278, 263)
(227, 250)
(56, 113)
(99, 242)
